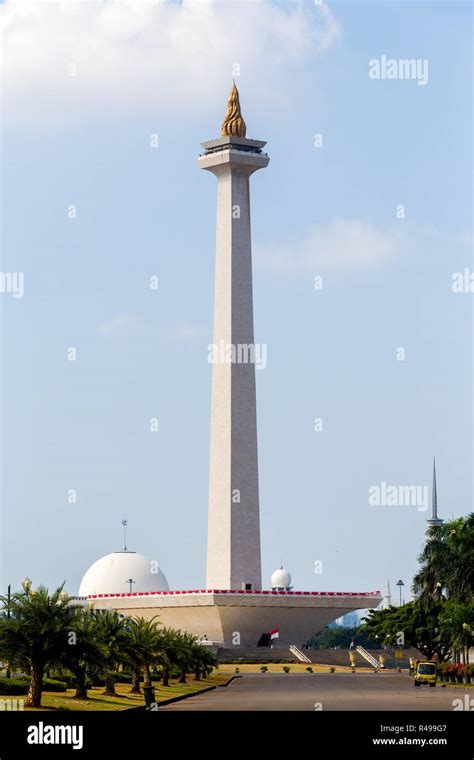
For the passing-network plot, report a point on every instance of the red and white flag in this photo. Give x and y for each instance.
(274, 634)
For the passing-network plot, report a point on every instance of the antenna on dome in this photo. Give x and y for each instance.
(124, 523)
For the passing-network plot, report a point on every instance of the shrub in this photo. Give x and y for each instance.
(264, 668)
(455, 671)
(16, 686)
(332, 669)
(116, 677)
(13, 686)
(286, 669)
(122, 678)
(50, 684)
(460, 672)
(67, 678)
(450, 672)
(309, 670)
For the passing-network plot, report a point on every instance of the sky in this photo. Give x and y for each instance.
(369, 369)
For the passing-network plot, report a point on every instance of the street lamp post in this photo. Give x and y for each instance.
(130, 581)
(9, 591)
(400, 585)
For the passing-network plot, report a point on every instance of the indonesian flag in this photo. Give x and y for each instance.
(274, 634)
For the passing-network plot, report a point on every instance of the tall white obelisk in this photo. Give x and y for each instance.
(233, 551)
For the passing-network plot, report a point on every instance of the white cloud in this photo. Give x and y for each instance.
(162, 58)
(121, 325)
(341, 244)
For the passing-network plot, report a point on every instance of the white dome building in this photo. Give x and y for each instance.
(281, 580)
(114, 573)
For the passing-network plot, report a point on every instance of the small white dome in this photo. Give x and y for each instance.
(281, 579)
(110, 575)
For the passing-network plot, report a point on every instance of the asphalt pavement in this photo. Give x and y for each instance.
(325, 691)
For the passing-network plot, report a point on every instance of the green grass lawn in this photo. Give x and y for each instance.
(124, 700)
(273, 667)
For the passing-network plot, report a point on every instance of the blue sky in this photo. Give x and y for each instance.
(166, 69)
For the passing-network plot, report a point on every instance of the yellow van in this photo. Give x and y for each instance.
(425, 673)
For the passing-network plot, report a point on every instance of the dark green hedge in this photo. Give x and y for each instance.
(66, 678)
(13, 686)
(50, 684)
(116, 677)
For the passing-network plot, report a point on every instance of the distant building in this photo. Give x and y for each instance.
(351, 620)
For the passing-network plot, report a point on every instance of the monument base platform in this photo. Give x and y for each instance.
(238, 619)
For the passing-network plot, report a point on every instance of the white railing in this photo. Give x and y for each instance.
(298, 654)
(369, 657)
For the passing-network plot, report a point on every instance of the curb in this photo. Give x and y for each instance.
(228, 683)
(185, 696)
(180, 697)
(196, 693)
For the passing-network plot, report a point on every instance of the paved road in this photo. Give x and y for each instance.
(334, 691)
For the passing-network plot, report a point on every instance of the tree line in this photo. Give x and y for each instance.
(40, 632)
(440, 622)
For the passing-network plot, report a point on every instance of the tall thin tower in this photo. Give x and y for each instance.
(233, 550)
(434, 520)
(387, 597)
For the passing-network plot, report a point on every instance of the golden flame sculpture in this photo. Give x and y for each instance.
(233, 124)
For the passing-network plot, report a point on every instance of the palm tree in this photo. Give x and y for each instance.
(112, 631)
(183, 656)
(203, 661)
(166, 652)
(446, 575)
(447, 562)
(141, 646)
(87, 656)
(455, 622)
(35, 637)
